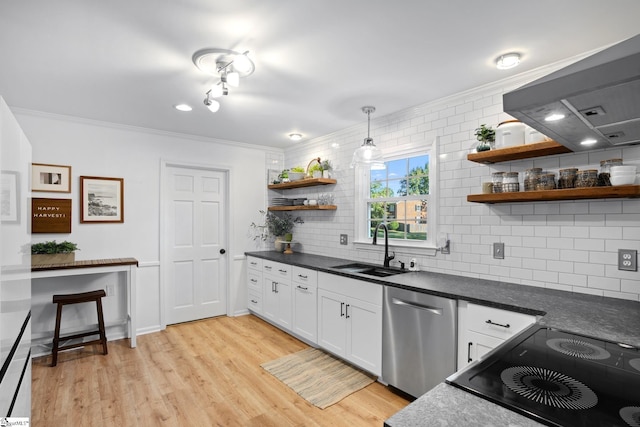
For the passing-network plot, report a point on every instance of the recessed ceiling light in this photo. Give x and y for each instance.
(508, 60)
(295, 136)
(183, 107)
(589, 141)
(554, 117)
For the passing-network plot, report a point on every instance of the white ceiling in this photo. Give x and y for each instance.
(317, 62)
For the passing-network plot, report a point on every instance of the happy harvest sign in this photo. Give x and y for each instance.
(50, 215)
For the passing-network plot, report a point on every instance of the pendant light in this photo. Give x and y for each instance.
(368, 154)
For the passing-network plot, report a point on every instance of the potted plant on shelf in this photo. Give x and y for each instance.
(315, 170)
(275, 226)
(327, 167)
(296, 173)
(52, 252)
(486, 137)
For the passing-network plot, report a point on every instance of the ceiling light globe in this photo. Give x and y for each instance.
(295, 136)
(233, 79)
(213, 105)
(242, 63)
(216, 91)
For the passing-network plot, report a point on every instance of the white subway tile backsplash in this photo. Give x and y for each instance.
(569, 245)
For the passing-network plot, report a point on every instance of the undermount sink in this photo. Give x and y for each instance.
(369, 270)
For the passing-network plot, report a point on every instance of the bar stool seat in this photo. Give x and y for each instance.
(61, 301)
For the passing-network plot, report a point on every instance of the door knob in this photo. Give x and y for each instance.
(222, 251)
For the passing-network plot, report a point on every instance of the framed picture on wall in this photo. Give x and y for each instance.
(50, 178)
(9, 197)
(102, 199)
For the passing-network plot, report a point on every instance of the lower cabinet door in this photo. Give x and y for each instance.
(364, 335)
(479, 344)
(284, 301)
(332, 332)
(305, 312)
(269, 299)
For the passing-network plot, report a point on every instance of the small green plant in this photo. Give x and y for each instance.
(52, 247)
(326, 165)
(317, 167)
(274, 225)
(297, 169)
(487, 137)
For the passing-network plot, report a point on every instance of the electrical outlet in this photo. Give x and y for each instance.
(628, 259)
(498, 250)
(343, 239)
(110, 290)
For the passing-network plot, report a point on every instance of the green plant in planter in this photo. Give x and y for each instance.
(298, 169)
(315, 168)
(326, 165)
(274, 225)
(52, 247)
(486, 137)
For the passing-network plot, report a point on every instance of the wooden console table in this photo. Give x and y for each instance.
(99, 266)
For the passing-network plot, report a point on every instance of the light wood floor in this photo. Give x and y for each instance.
(204, 373)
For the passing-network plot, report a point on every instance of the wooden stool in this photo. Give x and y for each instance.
(63, 300)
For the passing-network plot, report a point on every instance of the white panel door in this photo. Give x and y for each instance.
(196, 277)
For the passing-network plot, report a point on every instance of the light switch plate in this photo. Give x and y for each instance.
(628, 259)
(498, 250)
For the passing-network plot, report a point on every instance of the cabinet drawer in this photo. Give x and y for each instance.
(254, 280)
(365, 291)
(305, 277)
(496, 322)
(255, 301)
(254, 263)
(277, 269)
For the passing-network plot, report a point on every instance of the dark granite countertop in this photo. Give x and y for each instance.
(610, 319)
(606, 318)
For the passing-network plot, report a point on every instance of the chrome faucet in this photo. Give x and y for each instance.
(387, 258)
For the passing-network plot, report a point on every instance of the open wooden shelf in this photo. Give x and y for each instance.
(309, 182)
(518, 152)
(303, 208)
(613, 192)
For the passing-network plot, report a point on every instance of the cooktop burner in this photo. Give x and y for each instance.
(560, 379)
(578, 348)
(631, 415)
(548, 387)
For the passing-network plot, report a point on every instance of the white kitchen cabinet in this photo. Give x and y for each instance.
(254, 284)
(305, 304)
(482, 328)
(277, 294)
(350, 320)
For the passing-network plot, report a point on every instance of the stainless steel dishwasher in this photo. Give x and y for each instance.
(418, 340)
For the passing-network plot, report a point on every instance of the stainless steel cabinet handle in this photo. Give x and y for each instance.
(347, 311)
(282, 271)
(498, 324)
(341, 309)
(253, 280)
(254, 301)
(303, 288)
(253, 263)
(267, 267)
(434, 310)
(469, 352)
(276, 288)
(302, 277)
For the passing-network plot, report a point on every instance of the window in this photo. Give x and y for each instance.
(401, 196)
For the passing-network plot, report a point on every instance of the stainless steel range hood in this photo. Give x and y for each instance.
(599, 96)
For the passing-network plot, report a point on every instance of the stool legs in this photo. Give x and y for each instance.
(103, 336)
(56, 336)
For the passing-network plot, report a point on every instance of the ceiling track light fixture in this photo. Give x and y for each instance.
(227, 66)
(368, 154)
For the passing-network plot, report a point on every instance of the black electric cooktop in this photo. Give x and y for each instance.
(560, 379)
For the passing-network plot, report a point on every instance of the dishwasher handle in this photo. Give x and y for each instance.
(434, 310)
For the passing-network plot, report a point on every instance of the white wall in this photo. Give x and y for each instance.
(99, 149)
(569, 245)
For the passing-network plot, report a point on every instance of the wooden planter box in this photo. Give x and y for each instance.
(51, 259)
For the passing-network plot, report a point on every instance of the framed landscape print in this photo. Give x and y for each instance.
(9, 197)
(102, 199)
(50, 178)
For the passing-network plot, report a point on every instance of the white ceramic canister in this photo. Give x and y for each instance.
(532, 135)
(510, 133)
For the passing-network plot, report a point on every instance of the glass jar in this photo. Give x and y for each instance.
(605, 171)
(510, 182)
(547, 182)
(567, 178)
(587, 178)
(497, 178)
(532, 178)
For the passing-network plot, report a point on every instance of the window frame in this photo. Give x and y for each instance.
(362, 197)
